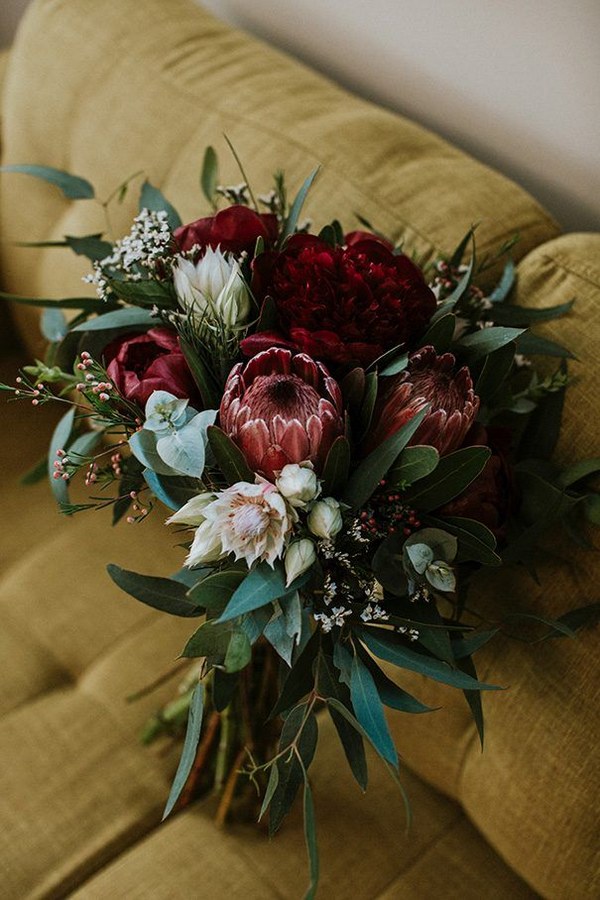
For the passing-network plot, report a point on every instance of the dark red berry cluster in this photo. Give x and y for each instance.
(387, 514)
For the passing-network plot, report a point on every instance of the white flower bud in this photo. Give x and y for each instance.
(191, 512)
(299, 557)
(298, 484)
(213, 288)
(325, 518)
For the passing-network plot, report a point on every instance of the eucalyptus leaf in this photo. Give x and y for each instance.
(508, 314)
(504, 286)
(163, 594)
(153, 199)
(385, 647)
(73, 187)
(485, 341)
(239, 652)
(496, 369)
(261, 586)
(310, 837)
(301, 729)
(368, 709)
(184, 450)
(190, 747)
(173, 492)
(453, 474)
(366, 477)
(209, 175)
(128, 317)
(143, 446)
(292, 220)
(59, 441)
(534, 345)
(413, 463)
(439, 335)
(215, 591)
(229, 457)
(337, 467)
(54, 325)
(329, 686)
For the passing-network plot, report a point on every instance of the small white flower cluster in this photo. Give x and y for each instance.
(373, 613)
(336, 619)
(142, 247)
(412, 633)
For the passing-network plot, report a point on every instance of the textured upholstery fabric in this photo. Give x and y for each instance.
(106, 87)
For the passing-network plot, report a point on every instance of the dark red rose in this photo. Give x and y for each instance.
(490, 498)
(236, 229)
(343, 304)
(356, 237)
(139, 364)
(428, 379)
(281, 408)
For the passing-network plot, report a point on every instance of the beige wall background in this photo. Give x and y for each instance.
(514, 82)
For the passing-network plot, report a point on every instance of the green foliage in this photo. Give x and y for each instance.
(496, 369)
(209, 176)
(414, 462)
(190, 748)
(53, 324)
(509, 314)
(439, 335)
(533, 345)
(368, 709)
(475, 541)
(291, 222)
(59, 441)
(336, 468)
(160, 593)
(297, 747)
(261, 586)
(506, 283)
(215, 590)
(153, 199)
(482, 343)
(229, 458)
(73, 187)
(329, 687)
(371, 470)
(453, 474)
(128, 317)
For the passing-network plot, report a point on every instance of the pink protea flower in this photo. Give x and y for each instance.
(428, 379)
(281, 408)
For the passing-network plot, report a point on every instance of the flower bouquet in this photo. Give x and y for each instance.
(339, 437)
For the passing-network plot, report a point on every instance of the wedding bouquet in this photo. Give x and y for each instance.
(341, 439)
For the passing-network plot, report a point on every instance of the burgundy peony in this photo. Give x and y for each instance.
(491, 496)
(428, 379)
(139, 364)
(342, 304)
(280, 409)
(236, 229)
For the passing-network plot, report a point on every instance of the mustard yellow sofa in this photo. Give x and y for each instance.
(104, 88)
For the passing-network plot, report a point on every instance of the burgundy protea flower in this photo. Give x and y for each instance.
(139, 364)
(428, 379)
(342, 304)
(235, 229)
(281, 408)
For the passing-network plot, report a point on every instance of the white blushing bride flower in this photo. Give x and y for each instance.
(252, 521)
(212, 289)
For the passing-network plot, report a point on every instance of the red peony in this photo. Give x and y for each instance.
(280, 409)
(428, 379)
(236, 229)
(139, 364)
(342, 304)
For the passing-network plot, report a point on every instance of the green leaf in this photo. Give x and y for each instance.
(229, 457)
(575, 619)
(128, 317)
(160, 593)
(87, 304)
(391, 694)
(153, 199)
(543, 428)
(475, 541)
(367, 407)
(577, 471)
(413, 463)
(143, 446)
(329, 686)
(385, 647)
(91, 246)
(215, 591)
(262, 585)
(209, 175)
(190, 747)
(365, 479)
(300, 679)
(522, 315)
(239, 652)
(211, 639)
(533, 345)
(397, 364)
(467, 646)
(148, 293)
(496, 369)
(440, 334)
(301, 730)
(457, 255)
(336, 468)
(591, 509)
(454, 473)
(204, 379)
(504, 286)
(53, 325)
(173, 492)
(271, 788)
(58, 441)
(73, 187)
(485, 341)
(184, 450)
(292, 220)
(310, 836)
(368, 709)
(473, 698)
(284, 627)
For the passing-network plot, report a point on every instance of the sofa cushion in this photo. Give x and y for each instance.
(114, 86)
